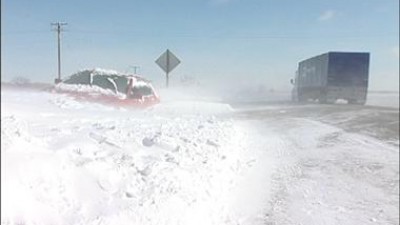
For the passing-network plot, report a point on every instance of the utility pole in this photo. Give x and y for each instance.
(58, 28)
(135, 68)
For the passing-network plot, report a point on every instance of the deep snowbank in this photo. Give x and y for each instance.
(191, 93)
(69, 162)
(190, 162)
(192, 107)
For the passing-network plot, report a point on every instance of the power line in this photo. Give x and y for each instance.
(58, 28)
(212, 36)
(237, 35)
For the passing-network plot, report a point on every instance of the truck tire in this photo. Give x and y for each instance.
(322, 99)
(356, 102)
(322, 96)
(301, 98)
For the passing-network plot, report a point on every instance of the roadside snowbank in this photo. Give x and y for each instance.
(189, 94)
(63, 164)
(192, 107)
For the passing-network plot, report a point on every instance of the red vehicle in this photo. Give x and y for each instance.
(109, 87)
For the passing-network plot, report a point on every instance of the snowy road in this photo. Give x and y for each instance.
(192, 162)
(334, 164)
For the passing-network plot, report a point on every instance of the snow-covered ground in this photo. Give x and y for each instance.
(190, 161)
(325, 175)
(69, 162)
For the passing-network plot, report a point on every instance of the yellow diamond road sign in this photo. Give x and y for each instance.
(168, 61)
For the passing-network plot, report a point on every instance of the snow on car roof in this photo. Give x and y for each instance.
(108, 72)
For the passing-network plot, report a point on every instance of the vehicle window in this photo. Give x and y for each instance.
(103, 82)
(139, 91)
(79, 78)
(122, 83)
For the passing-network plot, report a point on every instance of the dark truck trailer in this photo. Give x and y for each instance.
(332, 76)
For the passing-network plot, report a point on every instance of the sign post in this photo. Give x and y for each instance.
(167, 61)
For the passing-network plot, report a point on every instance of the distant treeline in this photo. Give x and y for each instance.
(36, 86)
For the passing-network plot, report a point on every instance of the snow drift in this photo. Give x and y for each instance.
(64, 164)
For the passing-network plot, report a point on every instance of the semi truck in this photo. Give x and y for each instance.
(331, 76)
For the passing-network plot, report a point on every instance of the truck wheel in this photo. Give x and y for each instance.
(322, 99)
(331, 101)
(356, 102)
(361, 103)
(301, 98)
(293, 98)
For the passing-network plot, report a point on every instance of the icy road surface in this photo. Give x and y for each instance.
(196, 162)
(335, 164)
